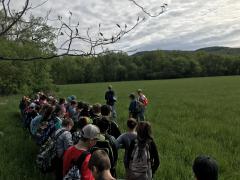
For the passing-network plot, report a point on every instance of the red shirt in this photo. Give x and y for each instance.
(71, 154)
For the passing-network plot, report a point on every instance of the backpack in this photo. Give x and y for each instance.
(45, 131)
(108, 146)
(145, 101)
(140, 163)
(47, 153)
(74, 172)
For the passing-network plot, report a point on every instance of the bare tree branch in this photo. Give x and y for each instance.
(88, 44)
(163, 8)
(15, 19)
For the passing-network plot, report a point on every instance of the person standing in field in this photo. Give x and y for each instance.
(142, 157)
(110, 100)
(142, 99)
(63, 142)
(90, 135)
(205, 168)
(134, 107)
(126, 138)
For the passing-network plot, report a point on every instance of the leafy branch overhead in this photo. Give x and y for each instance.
(65, 35)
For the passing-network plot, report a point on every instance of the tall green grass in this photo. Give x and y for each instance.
(189, 117)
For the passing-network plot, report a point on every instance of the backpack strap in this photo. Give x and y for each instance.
(59, 134)
(81, 159)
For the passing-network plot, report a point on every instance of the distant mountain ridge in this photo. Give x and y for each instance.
(219, 50)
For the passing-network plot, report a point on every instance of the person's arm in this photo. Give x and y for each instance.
(114, 143)
(120, 142)
(131, 109)
(129, 154)
(154, 157)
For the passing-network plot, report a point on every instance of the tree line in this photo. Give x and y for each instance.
(25, 77)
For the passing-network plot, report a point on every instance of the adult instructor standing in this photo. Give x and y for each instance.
(110, 100)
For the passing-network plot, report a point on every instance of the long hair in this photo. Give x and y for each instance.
(144, 132)
(144, 136)
(48, 113)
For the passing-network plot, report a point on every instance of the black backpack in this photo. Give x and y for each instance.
(110, 148)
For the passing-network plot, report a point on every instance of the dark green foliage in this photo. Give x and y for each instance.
(145, 66)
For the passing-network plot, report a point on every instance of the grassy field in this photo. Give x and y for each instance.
(188, 116)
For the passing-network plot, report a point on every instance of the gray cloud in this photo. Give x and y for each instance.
(187, 25)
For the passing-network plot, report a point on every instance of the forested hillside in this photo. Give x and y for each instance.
(19, 76)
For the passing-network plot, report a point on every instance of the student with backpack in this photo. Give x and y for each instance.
(63, 142)
(113, 127)
(100, 165)
(107, 143)
(205, 168)
(76, 158)
(44, 113)
(134, 107)
(126, 138)
(142, 99)
(142, 157)
(111, 100)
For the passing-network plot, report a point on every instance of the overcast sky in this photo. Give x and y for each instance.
(187, 24)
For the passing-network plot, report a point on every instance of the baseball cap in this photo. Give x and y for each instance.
(91, 132)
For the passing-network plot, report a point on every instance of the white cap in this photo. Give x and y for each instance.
(90, 132)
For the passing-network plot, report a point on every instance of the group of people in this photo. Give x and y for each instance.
(137, 107)
(81, 141)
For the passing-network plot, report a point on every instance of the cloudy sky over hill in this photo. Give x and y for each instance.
(187, 25)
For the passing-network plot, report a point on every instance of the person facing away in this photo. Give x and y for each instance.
(100, 165)
(72, 108)
(110, 100)
(96, 113)
(63, 142)
(134, 108)
(113, 127)
(90, 135)
(144, 102)
(142, 157)
(205, 168)
(57, 116)
(78, 126)
(62, 104)
(108, 143)
(126, 138)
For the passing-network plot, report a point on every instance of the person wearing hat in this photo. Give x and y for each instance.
(110, 100)
(90, 135)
